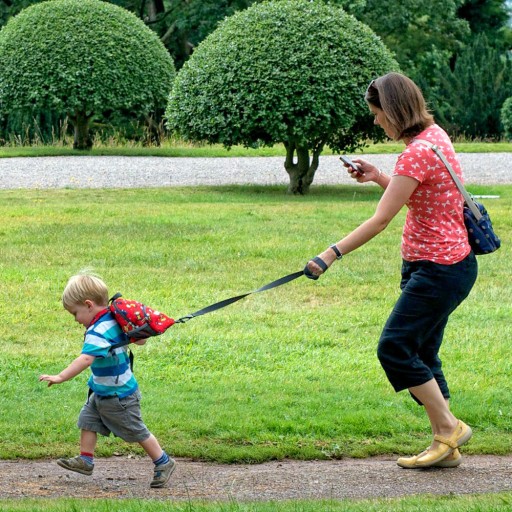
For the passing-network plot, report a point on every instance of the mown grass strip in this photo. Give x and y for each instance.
(291, 372)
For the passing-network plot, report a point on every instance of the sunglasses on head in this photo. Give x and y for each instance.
(372, 84)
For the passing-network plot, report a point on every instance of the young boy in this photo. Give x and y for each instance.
(114, 402)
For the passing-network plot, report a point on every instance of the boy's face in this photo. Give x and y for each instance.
(84, 313)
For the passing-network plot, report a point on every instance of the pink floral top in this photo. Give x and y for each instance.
(434, 228)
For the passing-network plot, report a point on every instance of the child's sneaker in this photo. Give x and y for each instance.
(163, 473)
(76, 464)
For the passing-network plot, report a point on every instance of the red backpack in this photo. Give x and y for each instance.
(137, 320)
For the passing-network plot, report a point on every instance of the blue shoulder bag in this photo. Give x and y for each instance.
(481, 235)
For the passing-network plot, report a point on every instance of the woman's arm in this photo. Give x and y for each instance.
(397, 194)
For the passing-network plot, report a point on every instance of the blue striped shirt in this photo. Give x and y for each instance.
(111, 372)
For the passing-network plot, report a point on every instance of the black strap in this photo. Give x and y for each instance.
(227, 302)
(224, 303)
(320, 262)
(116, 296)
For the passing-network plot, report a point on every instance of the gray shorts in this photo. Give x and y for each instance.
(119, 416)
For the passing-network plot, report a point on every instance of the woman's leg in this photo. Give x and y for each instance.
(449, 432)
(411, 339)
(409, 346)
(442, 421)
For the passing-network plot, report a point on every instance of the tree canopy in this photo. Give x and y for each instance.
(489, 17)
(289, 71)
(506, 117)
(469, 98)
(421, 34)
(424, 36)
(82, 58)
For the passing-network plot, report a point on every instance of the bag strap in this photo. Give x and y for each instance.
(227, 302)
(469, 201)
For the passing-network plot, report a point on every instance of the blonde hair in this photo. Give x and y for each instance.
(85, 286)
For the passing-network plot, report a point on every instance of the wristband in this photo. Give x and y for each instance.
(336, 251)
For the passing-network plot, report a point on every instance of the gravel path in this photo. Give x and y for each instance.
(128, 172)
(379, 477)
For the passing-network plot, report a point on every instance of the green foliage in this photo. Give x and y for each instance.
(281, 71)
(506, 117)
(10, 8)
(428, 37)
(467, 100)
(37, 127)
(419, 33)
(424, 37)
(81, 57)
(180, 24)
(489, 17)
(187, 22)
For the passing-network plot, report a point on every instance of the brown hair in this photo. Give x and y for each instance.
(402, 102)
(85, 286)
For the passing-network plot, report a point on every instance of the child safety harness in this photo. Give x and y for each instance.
(139, 321)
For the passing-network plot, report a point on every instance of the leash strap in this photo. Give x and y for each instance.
(221, 304)
(226, 302)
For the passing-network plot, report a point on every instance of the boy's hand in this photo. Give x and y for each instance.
(51, 379)
(82, 362)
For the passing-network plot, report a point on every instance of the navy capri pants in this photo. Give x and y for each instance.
(409, 345)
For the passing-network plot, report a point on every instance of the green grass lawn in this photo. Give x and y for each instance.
(291, 372)
(181, 149)
(487, 503)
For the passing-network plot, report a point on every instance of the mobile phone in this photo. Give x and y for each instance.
(346, 160)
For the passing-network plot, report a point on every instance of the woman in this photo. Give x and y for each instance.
(438, 270)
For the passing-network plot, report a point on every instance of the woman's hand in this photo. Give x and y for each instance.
(368, 172)
(314, 269)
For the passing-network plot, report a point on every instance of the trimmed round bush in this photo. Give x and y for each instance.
(506, 117)
(81, 58)
(290, 71)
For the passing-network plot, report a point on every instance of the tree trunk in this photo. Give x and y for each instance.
(81, 122)
(301, 172)
(153, 9)
(155, 131)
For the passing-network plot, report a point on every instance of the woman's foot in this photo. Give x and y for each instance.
(452, 461)
(440, 449)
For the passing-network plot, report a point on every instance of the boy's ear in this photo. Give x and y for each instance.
(89, 303)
